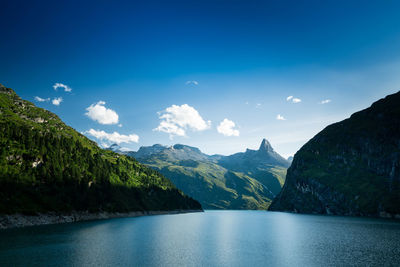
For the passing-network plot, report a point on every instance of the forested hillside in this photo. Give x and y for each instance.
(46, 165)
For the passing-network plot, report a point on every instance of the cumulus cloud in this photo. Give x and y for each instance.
(57, 101)
(226, 127)
(98, 112)
(60, 85)
(175, 120)
(192, 83)
(293, 99)
(114, 137)
(39, 99)
(279, 117)
(326, 101)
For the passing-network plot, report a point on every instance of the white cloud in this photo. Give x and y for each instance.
(170, 128)
(120, 125)
(98, 112)
(226, 127)
(326, 101)
(247, 102)
(293, 99)
(175, 120)
(113, 137)
(57, 101)
(258, 105)
(192, 83)
(39, 99)
(60, 85)
(280, 117)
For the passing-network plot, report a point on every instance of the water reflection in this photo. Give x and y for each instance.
(213, 238)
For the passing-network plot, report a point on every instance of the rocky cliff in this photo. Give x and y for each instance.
(350, 168)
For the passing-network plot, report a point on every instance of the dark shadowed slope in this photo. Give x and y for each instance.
(351, 167)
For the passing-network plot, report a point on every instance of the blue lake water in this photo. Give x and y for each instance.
(212, 238)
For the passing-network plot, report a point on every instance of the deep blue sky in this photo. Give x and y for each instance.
(247, 57)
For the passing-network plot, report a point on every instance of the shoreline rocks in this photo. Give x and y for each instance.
(21, 220)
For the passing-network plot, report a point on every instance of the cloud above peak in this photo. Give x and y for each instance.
(114, 137)
(326, 101)
(279, 117)
(60, 85)
(98, 112)
(226, 127)
(293, 99)
(192, 82)
(57, 101)
(39, 99)
(176, 120)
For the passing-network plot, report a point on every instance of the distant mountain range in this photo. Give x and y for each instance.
(248, 180)
(350, 168)
(46, 166)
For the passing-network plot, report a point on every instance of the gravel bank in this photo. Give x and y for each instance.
(20, 220)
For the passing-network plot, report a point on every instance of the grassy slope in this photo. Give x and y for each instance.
(218, 188)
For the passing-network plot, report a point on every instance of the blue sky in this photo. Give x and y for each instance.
(246, 58)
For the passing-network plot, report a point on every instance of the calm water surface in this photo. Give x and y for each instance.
(212, 238)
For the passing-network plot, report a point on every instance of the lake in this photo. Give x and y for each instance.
(212, 238)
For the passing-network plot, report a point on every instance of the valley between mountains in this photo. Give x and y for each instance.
(245, 180)
(350, 168)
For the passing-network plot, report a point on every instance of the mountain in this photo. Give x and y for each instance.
(115, 148)
(46, 165)
(264, 156)
(350, 168)
(290, 159)
(248, 180)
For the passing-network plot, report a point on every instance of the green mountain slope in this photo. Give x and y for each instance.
(351, 167)
(46, 165)
(218, 182)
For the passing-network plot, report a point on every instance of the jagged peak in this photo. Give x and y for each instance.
(265, 146)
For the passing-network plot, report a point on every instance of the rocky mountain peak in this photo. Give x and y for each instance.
(185, 147)
(265, 146)
(114, 147)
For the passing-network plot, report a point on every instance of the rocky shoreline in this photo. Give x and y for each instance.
(21, 220)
